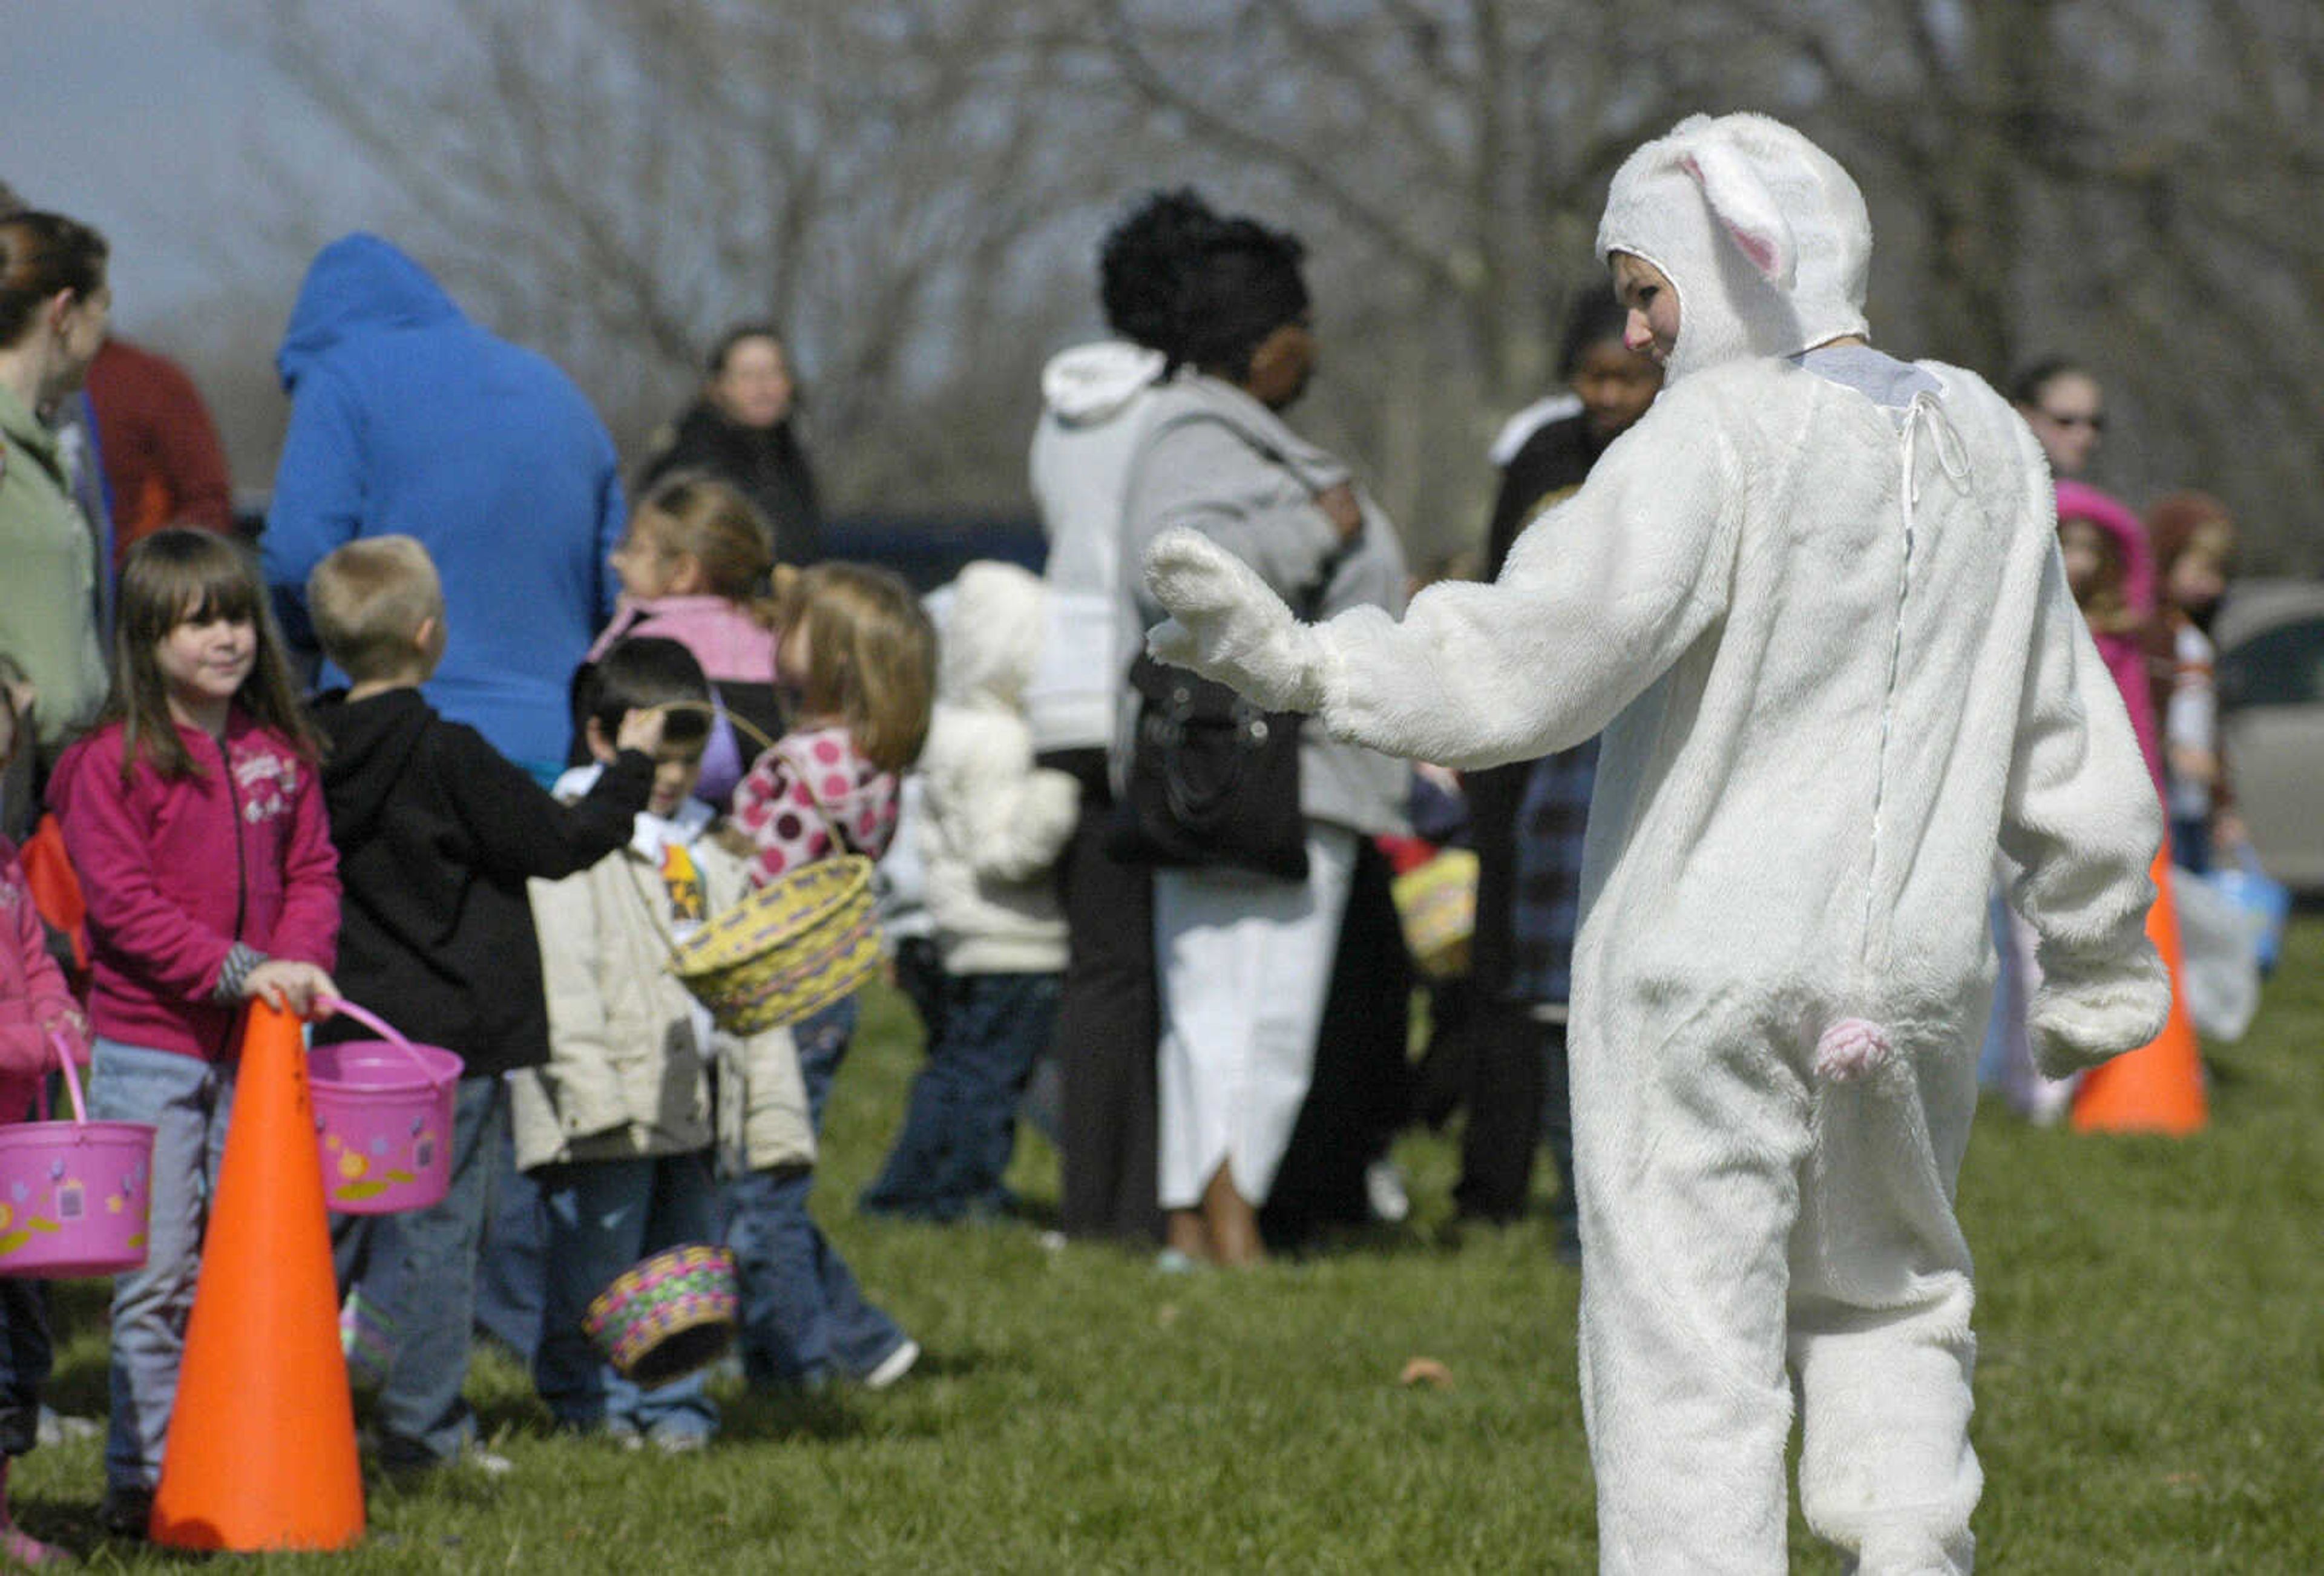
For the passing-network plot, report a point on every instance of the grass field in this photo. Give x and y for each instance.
(2151, 1384)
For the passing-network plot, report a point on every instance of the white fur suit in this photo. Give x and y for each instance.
(1828, 637)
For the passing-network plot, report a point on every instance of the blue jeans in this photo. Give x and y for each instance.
(603, 1216)
(805, 1321)
(508, 1272)
(960, 1125)
(188, 1101)
(418, 1269)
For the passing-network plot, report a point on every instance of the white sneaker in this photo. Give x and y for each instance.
(894, 1366)
(56, 1428)
(1384, 1192)
(490, 1463)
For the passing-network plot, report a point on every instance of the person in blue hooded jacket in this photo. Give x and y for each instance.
(405, 416)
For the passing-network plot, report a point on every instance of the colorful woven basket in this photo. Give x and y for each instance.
(803, 941)
(1437, 904)
(666, 1316)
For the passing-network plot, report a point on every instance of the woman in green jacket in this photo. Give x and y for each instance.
(54, 306)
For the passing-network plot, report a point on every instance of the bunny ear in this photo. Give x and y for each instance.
(1742, 205)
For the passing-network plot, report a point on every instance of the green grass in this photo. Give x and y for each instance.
(2151, 1390)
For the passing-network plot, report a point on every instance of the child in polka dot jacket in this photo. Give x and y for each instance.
(856, 666)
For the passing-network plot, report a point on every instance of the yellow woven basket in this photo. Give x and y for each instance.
(791, 949)
(1437, 902)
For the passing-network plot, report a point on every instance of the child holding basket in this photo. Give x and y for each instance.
(858, 659)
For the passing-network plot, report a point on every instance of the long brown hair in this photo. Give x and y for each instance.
(183, 576)
(871, 656)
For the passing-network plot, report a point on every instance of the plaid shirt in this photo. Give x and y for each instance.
(1544, 908)
(1529, 815)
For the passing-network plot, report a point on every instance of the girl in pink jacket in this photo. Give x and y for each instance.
(695, 568)
(38, 1019)
(2111, 572)
(195, 818)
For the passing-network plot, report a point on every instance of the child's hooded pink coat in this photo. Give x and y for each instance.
(2126, 653)
(33, 993)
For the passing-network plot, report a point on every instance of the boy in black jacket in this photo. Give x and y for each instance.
(437, 833)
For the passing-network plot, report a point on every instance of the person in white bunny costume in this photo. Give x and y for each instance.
(1815, 600)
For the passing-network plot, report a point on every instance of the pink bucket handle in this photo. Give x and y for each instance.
(63, 1047)
(381, 1027)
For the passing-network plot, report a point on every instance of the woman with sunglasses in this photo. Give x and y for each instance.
(2061, 401)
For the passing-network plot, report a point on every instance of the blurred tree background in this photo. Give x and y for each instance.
(917, 188)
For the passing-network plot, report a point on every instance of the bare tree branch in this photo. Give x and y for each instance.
(1314, 174)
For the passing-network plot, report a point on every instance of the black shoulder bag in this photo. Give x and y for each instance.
(1213, 780)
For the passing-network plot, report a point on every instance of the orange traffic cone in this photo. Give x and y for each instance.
(2159, 1087)
(262, 1447)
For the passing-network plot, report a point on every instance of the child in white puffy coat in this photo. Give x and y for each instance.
(1815, 600)
(994, 827)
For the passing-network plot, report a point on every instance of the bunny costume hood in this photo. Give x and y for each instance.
(1813, 599)
(1762, 235)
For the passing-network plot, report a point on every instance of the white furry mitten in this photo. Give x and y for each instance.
(2081, 1016)
(1227, 625)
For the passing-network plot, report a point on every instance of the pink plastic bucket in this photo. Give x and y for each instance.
(73, 1195)
(382, 1119)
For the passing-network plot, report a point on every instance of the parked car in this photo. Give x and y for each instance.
(2271, 673)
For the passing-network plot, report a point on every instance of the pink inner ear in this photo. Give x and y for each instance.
(1760, 249)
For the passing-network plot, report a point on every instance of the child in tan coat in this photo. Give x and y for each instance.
(618, 1127)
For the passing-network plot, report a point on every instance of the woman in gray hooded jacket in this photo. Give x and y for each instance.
(1245, 961)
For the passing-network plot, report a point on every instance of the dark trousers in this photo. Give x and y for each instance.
(1513, 1091)
(24, 1361)
(1558, 1132)
(1106, 1025)
(1518, 1094)
(1360, 1092)
(1503, 1101)
(960, 1125)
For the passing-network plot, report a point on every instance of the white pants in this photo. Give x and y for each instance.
(1751, 1238)
(1244, 964)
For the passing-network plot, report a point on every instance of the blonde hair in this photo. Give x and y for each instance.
(871, 655)
(712, 522)
(180, 575)
(368, 600)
